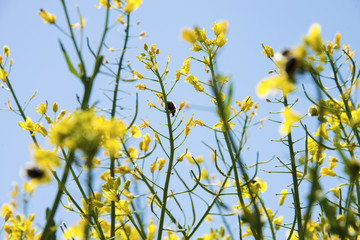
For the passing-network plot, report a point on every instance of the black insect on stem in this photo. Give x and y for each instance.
(172, 108)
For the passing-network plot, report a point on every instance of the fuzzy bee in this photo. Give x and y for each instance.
(172, 108)
(35, 173)
(292, 64)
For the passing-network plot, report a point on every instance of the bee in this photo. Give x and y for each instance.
(35, 172)
(172, 108)
(291, 64)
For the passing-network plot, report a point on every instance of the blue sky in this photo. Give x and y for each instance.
(39, 65)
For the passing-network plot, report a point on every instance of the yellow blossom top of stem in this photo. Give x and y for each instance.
(47, 17)
(132, 5)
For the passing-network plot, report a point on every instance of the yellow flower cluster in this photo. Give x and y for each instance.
(87, 132)
(18, 227)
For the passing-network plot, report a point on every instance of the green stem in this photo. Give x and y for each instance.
(113, 111)
(171, 159)
(295, 180)
(211, 204)
(74, 41)
(49, 220)
(256, 226)
(20, 108)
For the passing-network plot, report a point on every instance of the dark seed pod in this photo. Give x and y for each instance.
(35, 172)
(172, 108)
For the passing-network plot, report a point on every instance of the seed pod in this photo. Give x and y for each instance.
(172, 108)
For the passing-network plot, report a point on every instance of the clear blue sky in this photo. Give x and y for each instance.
(39, 64)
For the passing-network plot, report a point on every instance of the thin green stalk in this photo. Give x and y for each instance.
(154, 193)
(171, 159)
(113, 111)
(269, 219)
(118, 74)
(74, 40)
(231, 146)
(344, 99)
(295, 180)
(20, 108)
(47, 231)
(211, 204)
(88, 163)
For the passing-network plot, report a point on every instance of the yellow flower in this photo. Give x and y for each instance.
(27, 125)
(332, 162)
(111, 189)
(186, 66)
(337, 41)
(137, 75)
(135, 132)
(120, 19)
(151, 230)
(132, 5)
(123, 206)
(313, 39)
(172, 236)
(204, 174)
(277, 222)
(282, 197)
(123, 170)
(274, 84)
(132, 152)
(47, 17)
(144, 144)
(195, 82)
(187, 129)
(46, 158)
(247, 233)
(181, 105)
(220, 40)
(268, 51)
(257, 185)
(3, 75)
(153, 167)
(6, 51)
(246, 104)
(200, 35)
(161, 162)
(41, 108)
(220, 27)
(87, 132)
(196, 47)
(188, 36)
(6, 211)
(150, 104)
(290, 118)
(270, 213)
(222, 125)
(325, 171)
(55, 107)
(145, 124)
(336, 191)
(140, 86)
(322, 132)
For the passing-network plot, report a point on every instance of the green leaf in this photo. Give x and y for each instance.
(68, 62)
